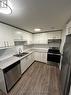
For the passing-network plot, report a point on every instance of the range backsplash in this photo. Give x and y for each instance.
(6, 53)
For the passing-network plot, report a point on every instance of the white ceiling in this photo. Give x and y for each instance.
(44, 14)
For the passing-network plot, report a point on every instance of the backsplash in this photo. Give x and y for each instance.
(54, 45)
(6, 53)
(46, 45)
(40, 45)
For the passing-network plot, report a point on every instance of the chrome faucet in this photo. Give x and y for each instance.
(20, 51)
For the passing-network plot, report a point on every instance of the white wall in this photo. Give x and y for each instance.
(63, 37)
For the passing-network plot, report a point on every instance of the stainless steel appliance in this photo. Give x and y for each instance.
(66, 67)
(12, 74)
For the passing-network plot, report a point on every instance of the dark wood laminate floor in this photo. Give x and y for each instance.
(39, 79)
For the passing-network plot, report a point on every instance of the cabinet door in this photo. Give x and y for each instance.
(40, 56)
(40, 38)
(2, 44)
(37, 56)
(44, 57)
(32, 57)
(26, 62)
(29, 62)
(23, 65)
(6, 35)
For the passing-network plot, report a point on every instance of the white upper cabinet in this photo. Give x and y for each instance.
(42, 38)
(18, 35)
(6, 36)
(54, 35)
(28, 38)
(22, 35)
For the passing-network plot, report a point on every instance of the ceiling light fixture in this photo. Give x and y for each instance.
(19, 32)
(4, 7)
(37, 30)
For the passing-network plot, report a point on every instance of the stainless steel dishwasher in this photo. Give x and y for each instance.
(12, 74)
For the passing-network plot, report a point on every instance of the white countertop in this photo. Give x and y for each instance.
(45, 50)
(9, 61)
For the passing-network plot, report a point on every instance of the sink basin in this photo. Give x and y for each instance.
(21, 54)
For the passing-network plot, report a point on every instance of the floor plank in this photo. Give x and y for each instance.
(39, 79)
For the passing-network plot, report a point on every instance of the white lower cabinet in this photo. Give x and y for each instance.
(40, 56)
(23, 65)
(44, 57)
(26, 62)
(37, 56)
(32, 57)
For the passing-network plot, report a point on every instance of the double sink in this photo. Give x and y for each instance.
(21, 54)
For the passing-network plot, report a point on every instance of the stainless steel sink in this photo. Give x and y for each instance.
(21, 54)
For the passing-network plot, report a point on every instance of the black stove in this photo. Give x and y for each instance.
(53, 55)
